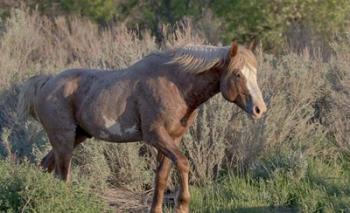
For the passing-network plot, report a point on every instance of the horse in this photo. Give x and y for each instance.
(155, 100)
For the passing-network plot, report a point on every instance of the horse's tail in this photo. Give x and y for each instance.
(27, 95)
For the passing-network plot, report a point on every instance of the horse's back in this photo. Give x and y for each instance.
(66, 85)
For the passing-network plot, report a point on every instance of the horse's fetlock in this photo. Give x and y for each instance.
(185, 198)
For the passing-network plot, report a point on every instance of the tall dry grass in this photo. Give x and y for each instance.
(308, 103)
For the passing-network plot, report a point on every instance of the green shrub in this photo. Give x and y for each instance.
(275, 22)
(97, 10)
(24, 188)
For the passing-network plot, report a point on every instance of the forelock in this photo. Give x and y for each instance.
(243, 58)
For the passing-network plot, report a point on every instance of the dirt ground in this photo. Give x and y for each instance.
(124, 200)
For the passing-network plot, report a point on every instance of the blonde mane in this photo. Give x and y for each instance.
(197, 59)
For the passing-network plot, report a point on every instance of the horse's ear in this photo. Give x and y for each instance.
(233, 49)
(252, 45)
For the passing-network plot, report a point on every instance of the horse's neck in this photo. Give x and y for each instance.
(201, 87)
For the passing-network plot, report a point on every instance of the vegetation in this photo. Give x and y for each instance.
(23, 188)
(322, 188)
(295, 158)
(293, 23)
(274, 22)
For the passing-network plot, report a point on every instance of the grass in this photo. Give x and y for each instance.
(324, 188)
(24, 188)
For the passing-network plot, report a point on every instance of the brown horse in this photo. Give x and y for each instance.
(154, 100)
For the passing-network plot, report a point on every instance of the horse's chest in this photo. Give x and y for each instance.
(180, 124)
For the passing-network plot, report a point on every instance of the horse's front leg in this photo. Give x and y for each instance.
(161, 180)
(168, 147)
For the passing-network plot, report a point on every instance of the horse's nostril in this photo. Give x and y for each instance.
(257, 110)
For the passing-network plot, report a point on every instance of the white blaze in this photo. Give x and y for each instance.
(249, 73)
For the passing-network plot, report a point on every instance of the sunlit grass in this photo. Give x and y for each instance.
(25, 188)
(325, 187)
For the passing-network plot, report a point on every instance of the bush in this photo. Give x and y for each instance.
(97, 10)
(205, 144)
(302, 23)
(24, 188)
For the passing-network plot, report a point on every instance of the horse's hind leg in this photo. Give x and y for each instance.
(48, 162)
(63, 145)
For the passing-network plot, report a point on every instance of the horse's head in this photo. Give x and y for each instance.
(238, 81)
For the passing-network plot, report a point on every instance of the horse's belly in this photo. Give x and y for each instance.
(121, 128)
(115, 131)
(110, 114)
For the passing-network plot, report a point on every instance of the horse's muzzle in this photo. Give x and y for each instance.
(258, 109)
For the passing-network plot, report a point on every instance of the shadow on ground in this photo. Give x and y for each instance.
(262, 209)
(123, 200)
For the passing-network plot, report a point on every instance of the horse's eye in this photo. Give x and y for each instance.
(238, 75)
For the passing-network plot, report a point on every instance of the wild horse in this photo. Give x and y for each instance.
(153, 101)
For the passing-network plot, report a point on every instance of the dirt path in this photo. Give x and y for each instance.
(123, 200)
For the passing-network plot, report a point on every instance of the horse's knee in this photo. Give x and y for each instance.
(183, 164)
